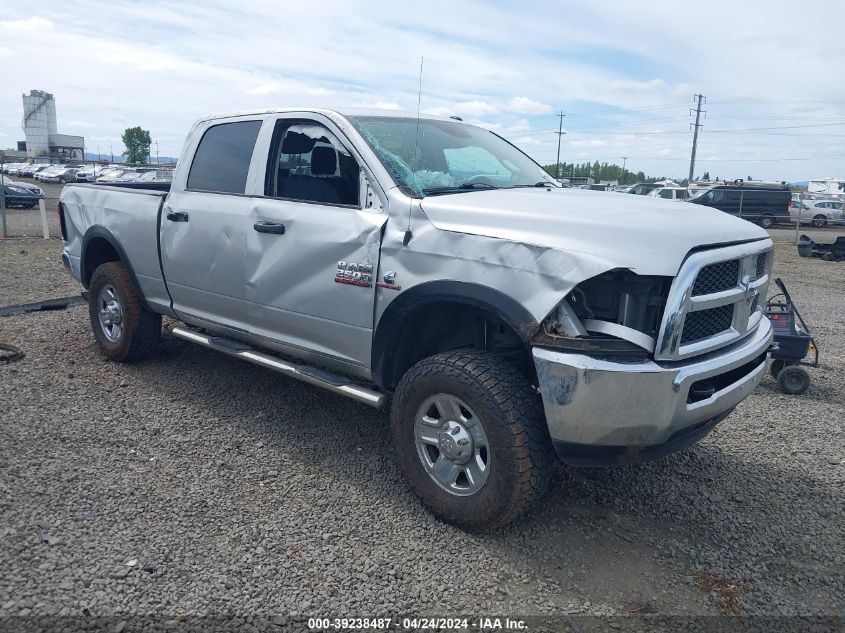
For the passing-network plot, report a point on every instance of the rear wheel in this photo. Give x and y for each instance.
(775, 368)
(794, 380)
(767, 221)
(123, 328)
(471, 438)
(819, 221)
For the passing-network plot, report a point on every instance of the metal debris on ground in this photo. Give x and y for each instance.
(10, 353)
(48, 304)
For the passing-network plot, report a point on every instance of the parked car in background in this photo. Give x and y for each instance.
(643, 188)
(817, 212)
(61, 174)
(17, 196)
(696, 188)
(111, 175)
(764, 203)
(45, 172)
(670, 193)
(31, 170)
(89, 173)
(35, 189)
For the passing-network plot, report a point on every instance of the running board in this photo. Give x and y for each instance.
(313, 376)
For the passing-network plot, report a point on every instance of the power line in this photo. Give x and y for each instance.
(766, 101)
(637, 109)
(719, 160)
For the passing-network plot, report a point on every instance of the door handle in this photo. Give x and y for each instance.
(177, 216)
(269, 227)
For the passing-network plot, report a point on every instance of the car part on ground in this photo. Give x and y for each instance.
(827, 251)
(47, 304)
(10, 353)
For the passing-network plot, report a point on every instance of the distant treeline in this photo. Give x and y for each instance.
(600, 171)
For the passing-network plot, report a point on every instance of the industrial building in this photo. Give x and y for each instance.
(43, 141)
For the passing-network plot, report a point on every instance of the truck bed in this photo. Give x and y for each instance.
(132, 215)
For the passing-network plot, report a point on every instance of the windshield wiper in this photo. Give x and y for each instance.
(467, 186)
(542, 183)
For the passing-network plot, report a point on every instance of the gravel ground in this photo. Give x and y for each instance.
(194, 484)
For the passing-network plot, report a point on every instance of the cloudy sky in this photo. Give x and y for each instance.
(623, 72)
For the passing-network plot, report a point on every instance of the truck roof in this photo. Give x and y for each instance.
(344, 112)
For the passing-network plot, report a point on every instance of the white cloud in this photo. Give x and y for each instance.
(162, 66)
(438, 111)
(530, 140)
(628, 85)
(277, 87)
(269, 88)
(379, 105)
(30, 25)
(475, 108)
(524, 105)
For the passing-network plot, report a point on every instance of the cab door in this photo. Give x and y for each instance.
(312, 247)
(203, 226)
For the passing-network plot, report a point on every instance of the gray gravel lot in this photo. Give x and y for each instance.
(194, 483)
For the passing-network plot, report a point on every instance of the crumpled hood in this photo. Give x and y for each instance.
(651, 236)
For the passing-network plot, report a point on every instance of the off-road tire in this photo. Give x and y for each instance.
(793, 380)
(141, 333)
(511, 414)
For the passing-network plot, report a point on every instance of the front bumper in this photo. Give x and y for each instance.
(610, 411)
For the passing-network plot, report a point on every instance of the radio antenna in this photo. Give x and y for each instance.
(408, 233)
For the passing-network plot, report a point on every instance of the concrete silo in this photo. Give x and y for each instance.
(39, 122)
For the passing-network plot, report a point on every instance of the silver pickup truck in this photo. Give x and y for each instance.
(430, 267)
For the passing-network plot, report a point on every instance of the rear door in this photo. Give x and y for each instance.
(312, 244)
(203, 224)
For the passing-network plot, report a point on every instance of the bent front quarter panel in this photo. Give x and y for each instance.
(535, 277)
(130, 216)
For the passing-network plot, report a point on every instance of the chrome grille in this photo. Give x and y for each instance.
(716, 278)
(715, 300)
(706, 323)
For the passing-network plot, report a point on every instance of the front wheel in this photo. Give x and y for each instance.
(819, 221)
(123, 328)
(793, 380)
(471, 438)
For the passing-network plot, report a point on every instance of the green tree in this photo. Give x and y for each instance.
(137, 141)
(706, 175)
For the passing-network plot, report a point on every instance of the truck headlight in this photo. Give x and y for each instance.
(617, 312)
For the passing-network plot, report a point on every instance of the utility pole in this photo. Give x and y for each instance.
(560, 134)
(3, 194)
(157, 161)
(111, 151)
(624, 162)
(700, 97)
